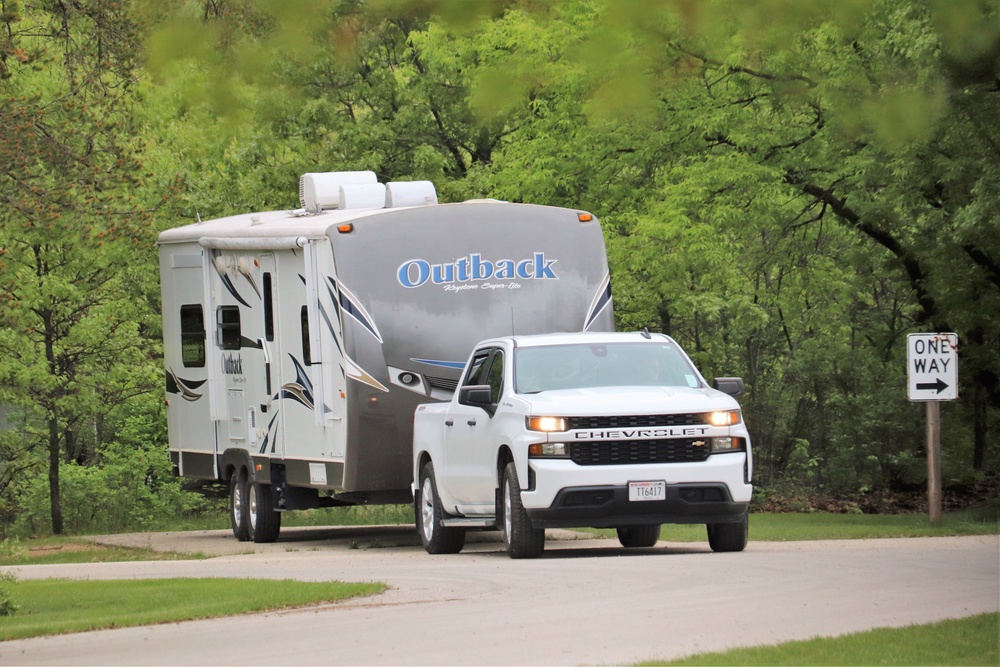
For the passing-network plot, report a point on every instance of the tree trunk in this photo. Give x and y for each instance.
(979, 428)
(55, 502)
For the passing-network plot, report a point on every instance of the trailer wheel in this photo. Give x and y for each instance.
(728, 536)
(263, 523)
(638, 536)
(238, 507)
(437, 539)
(521, 540)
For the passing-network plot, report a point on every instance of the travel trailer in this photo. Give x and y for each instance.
(297, 344)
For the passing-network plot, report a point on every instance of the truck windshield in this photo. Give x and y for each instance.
(538, 369)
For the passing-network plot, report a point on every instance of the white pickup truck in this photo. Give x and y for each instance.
(607, 430)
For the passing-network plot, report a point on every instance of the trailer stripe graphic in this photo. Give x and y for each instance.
(300, 390)
(441, 364)
(178, 385)
(350, 305)
(224, 277)
(601, 300)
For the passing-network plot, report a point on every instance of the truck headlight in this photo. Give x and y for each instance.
(548, 450)
(724, 417)
(546, 424)
(726, 444)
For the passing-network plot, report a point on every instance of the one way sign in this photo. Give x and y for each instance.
(932, 366)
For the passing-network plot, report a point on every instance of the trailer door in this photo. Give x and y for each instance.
(270, 415)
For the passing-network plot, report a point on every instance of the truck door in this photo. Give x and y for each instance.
(470, 448)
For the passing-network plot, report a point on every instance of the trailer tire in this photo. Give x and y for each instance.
(437, 539)
(238, 507)
(633, 537)
(263, 523)
(521, 540)
(724, 537)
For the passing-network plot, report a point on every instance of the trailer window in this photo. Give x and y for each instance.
(268, 308)
(193, 336)
(227, 320)
(306, 354)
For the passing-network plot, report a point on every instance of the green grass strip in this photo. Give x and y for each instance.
(967, 641)
(56, 606)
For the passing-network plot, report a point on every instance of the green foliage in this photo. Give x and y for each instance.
(129, 487)
(787, 188)
(8, 607)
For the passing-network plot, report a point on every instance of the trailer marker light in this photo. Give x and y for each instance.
(345, 229)
(584, 217)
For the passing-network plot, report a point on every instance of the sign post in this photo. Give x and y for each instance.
(932, 376)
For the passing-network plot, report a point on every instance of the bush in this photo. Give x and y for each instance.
(7, 604)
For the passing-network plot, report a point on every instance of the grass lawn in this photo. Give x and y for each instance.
(56, 606)
(61, 550)
(967, 641)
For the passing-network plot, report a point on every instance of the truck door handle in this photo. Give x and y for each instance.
(471, 422)
(449, 423)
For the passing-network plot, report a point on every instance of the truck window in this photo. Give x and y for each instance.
(192, 336)
(227, 320)
(495, 377)
(478, 368)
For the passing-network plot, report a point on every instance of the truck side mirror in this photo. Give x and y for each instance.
(476, 395)
(731, 386)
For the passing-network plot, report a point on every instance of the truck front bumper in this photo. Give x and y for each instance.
(561, 494)
(609, 507)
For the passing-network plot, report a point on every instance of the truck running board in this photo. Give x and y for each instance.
(470, 522)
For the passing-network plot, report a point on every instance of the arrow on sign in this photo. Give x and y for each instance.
(937, 384)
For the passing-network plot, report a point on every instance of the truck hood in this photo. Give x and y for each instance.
(627, 401)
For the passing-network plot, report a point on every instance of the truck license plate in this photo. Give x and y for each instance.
(647, 491)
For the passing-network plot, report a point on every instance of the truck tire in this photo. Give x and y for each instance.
(638, 536)
(728, 536)
(238, 507)
(263, 523)
(521, 540)
(437, 539)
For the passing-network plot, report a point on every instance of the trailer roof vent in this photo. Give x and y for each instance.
(409, 193)
(367, 195)
(321, 191)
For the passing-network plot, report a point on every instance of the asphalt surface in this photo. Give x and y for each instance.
(584, 602)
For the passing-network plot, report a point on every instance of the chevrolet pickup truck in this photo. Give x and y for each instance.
(606, 430)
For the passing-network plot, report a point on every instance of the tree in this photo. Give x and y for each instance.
(70, 320)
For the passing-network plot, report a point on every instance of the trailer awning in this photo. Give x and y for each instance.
(253, 243)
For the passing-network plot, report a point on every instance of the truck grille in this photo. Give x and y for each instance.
(624, 421)
(624, 452)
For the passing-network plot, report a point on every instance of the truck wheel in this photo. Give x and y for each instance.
(238, 507)
(638, 536)
(437, 539)
(728, 536)
(521, 539)
(263, 523)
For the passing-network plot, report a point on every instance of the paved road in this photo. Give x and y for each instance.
(584, 602)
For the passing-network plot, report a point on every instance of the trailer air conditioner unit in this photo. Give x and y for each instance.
(368, 195)
(321, 191)
(409, 193)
